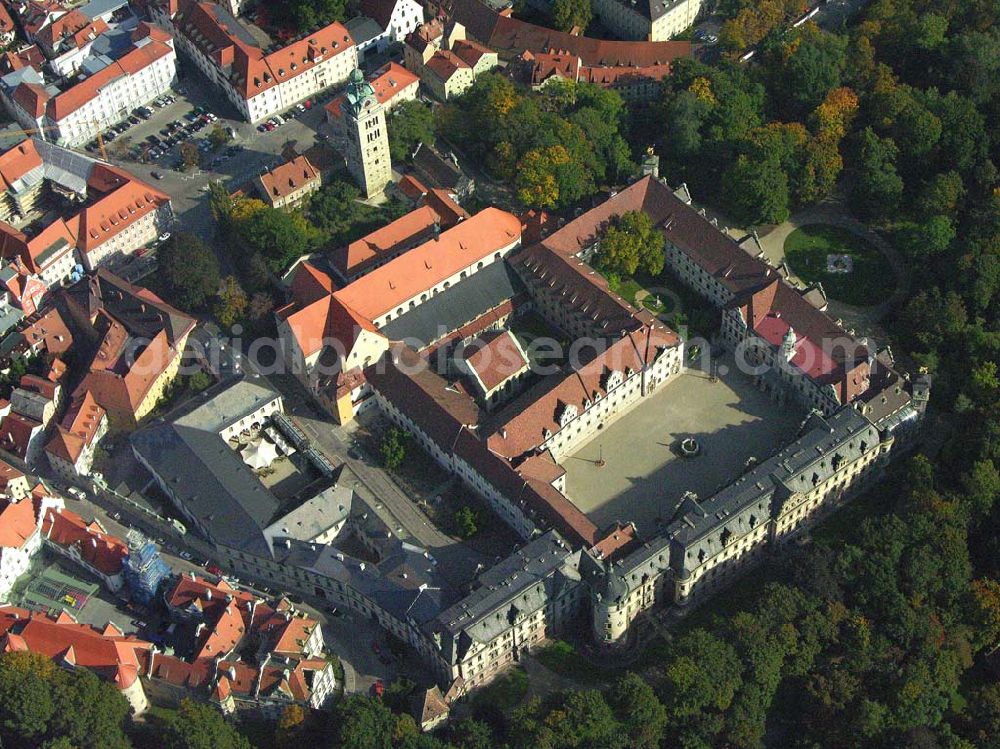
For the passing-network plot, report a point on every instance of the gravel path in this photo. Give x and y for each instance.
(864, 320)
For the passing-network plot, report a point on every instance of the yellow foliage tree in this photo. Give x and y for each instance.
(701, 87)
(536, 176)
(244, 208)
(834, 116)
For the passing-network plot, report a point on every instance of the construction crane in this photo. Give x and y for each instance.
(97, 134)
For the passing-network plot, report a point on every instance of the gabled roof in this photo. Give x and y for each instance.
(74, 27)
(18, 161)
(6, 22)
(463, 246)
(127, 200)
(380, 10)
(70, 100)
(18, 522)
(49, 329)
(526, 422)
(288, 178)
(96, 548)
(16, 432)
(503, 32)
(32, 98)
(114, 658)
(78, 428)
(411, 187)
(444, 64)
(494, 358)
(470, 52)
(406, 231)
(430, 707)
(219, 36)
(387, 82)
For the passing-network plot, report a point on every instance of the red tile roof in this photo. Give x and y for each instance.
(18, 161)
(98, 549)
(288, 178)
(470, 51)
(618, 75)
(254, 72)
(464, 245)
(50, 330)
(24, 58)
(535, 416)
(207, 595)
(445, 63)
(391, 79)
(18, 522)
(120, 387)
(406, 231)
(6, 22)
(387, 83)
(411, 187)
(151, 30)
(495, 358)
(73, 24)
(445, 206)
(425, 34)
(70, 100)
(114, 658)
(78, 428)
(8, 473)
(16, 432)
(32, 98)
(180, 673)
(507, 33)
(14, 244)
(127, 200)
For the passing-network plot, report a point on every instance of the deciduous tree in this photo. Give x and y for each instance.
(570, 14)
(189, 269)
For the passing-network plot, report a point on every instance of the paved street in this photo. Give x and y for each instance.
(457, 561)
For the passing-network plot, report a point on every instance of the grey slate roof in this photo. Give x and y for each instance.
(218, 408)
(210, 479)
(207, 475)
(314, 516)
(520, 584)
(455, 307)
(363, 29)
(702, 528)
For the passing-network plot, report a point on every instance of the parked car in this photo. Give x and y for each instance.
(213, 569)
(378, 688)
(185, 555)
(156, 175)
(163, 238)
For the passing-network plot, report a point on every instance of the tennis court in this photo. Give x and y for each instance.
(53, 590)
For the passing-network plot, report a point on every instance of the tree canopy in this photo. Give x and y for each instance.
(557, 148)
(189, 270)
(630, 244)
(409, 124)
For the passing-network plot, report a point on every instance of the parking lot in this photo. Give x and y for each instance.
(257, 151)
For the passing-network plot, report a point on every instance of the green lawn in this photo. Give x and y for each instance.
(561, 657)
(870, 281)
